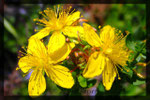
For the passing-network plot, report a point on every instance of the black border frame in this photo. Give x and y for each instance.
(146, 2)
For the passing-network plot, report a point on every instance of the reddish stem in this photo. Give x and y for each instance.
(74, 69)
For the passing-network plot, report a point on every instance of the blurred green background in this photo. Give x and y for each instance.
(19, 26)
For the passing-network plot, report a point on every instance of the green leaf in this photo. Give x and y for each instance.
(144, 51)
(140, 56)
(139, 82)
(84, 42)
(74, 74)
(86, 47)
(82, 81)
(139, 46)
(90, 85)
(91, 82)
(101, 88)
(132, 90)
(10, 28)
(74, 40)
(130, 42)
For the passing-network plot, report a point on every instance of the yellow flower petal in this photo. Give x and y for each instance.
(73, 17)
(57, 40)
(37, 83)
(73, 31)
(94, 66)
(36, 48)
(25, 63)
(107, 34)
(60, 75)
(62, 53)
(90, 35)
(42, 33)
(109, 74)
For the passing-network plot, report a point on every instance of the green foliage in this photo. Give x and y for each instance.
(82, 81)
(139, 82)
(101, 88)
(54, 90)
(91, 82)
(23, 90)
(10, 28)
(132, 90)
(130, 42)
(128, 17)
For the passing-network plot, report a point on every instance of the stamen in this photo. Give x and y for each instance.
(72, 11)
(22, 53)
(40, 24)
(125, 69)
(24, 48)
(44, 14)
(40, 12)
(119, 67)
(35, 19)
(36, 30)
(119, 78)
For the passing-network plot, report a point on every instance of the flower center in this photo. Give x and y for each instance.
(58, 25)
(108, 51)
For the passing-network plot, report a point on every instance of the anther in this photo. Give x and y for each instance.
(34, 19)
(35, 30)
(40, 12)
(67, 40)
(99, 26)
(76, 54)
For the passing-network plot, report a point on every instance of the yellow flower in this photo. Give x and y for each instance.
(39, 60)
(60, 22)
(111, 55)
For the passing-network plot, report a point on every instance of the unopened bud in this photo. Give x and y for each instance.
(67, 57)
(76, 54)
(82, 20)
(94, 29)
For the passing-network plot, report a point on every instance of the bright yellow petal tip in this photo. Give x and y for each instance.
(60, 75)
(37, 83)
(90, 35)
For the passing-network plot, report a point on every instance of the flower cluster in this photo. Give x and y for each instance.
(65, 31)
